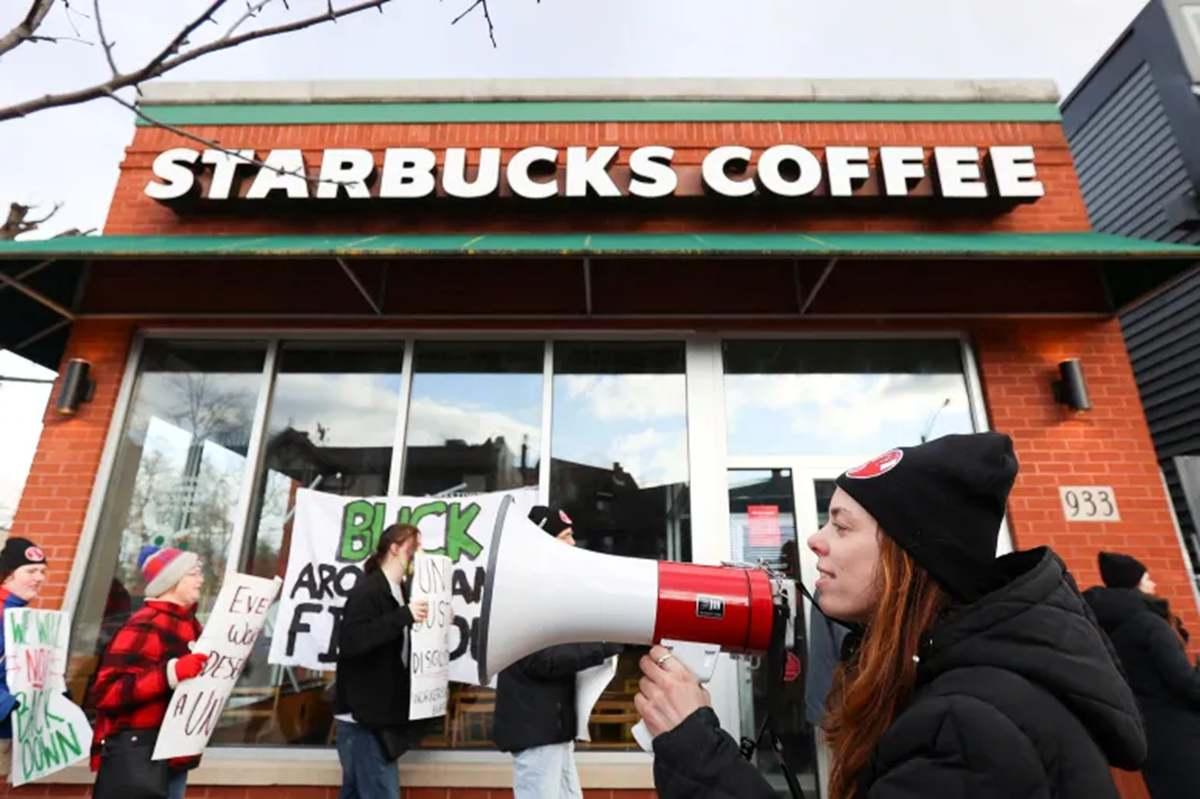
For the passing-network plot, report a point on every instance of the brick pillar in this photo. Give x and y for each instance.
(64, 468)
(1108, 445)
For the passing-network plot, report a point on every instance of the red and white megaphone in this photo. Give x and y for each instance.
(539, 593)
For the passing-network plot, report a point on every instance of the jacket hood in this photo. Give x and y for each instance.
(1038, 626)
(1115, 606)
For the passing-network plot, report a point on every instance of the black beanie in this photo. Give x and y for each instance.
(18, 552)
(943, 503)
(552, 520)
(1120, 571)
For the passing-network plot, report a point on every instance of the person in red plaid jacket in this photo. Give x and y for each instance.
(147, 658)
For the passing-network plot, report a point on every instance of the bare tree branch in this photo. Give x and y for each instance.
(18, 221)
(26, 28)
(213, 144)
(486, 15)
(252, 11)
(104, 42)
(165, 61)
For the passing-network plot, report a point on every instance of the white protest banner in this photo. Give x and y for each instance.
(331, 538)
(237, 619)
(429, 656)
(49, 731)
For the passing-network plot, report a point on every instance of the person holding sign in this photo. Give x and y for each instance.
(148, 657)
(535, 700)
(22, 573)
(372, 688)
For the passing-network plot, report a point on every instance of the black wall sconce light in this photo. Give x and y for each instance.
(1071, 389)
(77, 387)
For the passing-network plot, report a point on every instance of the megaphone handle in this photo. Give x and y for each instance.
(700, 659)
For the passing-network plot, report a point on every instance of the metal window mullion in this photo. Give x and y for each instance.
(254, 458)
(547, 427)
(406, 380)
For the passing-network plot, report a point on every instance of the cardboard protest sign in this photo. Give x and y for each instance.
(49, 731)
(332, 537)
(234, 625)
(429, 658)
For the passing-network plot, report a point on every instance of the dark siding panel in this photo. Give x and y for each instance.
(1130, 165)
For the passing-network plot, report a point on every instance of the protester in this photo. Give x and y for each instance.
(372, 687)
(148, 657)
(972, 676)
(1166, 685)
(535, 701)
(22, 573)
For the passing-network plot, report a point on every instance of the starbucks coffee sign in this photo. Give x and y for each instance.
(952, 173)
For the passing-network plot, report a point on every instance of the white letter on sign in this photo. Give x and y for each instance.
(171, 167)
(1015, 173)
(957, 170)
(407, 172)
(518, 173)
(846, 165)
(652, 172)
(900, 165)
(346, 169)
(585, 170)
(454, 173)
(224, 168)
(286, 173)
(773, 181)
(713, 171)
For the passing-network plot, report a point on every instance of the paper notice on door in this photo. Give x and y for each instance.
(589, 684)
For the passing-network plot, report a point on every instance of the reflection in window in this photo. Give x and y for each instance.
(331, 428)
(828, 397)
(619, 467)
(176, 481)
(474, 425)
(474, 421)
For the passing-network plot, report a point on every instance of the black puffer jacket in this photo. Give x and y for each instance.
(1018, 695)
(372, 678)
(535, 697)
(1166, 685)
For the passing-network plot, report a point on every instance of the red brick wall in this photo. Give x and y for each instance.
(1061, 209)
(1108, 445)
(64, 468)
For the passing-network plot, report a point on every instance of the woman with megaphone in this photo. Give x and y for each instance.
(972, 676)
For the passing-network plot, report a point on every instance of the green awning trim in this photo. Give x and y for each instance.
(597, 111)
(1064, 246)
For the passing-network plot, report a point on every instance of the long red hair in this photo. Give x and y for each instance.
(871, 689)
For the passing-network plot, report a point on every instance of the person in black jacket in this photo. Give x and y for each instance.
(1166, 685)
(372, 687)
(535, 701)
(972, 676)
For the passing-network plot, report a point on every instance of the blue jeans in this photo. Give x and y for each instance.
(366, 773)
(546, 772)
(177, 785)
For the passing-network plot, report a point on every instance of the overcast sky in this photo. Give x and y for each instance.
(72, 155)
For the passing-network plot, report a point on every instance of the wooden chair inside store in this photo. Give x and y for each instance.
(612, 722)
(471, 717)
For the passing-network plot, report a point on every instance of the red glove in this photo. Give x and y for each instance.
(189, 666)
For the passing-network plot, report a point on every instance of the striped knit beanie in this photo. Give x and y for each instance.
(163, 567)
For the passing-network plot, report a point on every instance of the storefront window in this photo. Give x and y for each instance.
(176, 481)
(619, 467)
(474, 425)
(839, 397)
(331, 428)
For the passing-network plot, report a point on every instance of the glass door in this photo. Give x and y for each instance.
(775, 504)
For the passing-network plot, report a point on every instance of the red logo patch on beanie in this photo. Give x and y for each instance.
(877, 467)
(564, 518)
(34, 554)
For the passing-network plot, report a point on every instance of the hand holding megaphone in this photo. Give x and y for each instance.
(671, 688)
